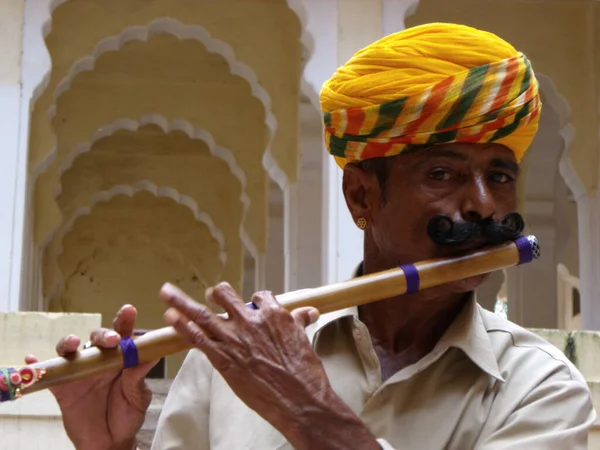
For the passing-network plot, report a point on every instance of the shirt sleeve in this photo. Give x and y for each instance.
(184, 420)
(556, 414)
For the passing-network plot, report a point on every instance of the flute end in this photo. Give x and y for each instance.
(535, 246)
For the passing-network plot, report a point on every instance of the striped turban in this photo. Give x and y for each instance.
(431, 84)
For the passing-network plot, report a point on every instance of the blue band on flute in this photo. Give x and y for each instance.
(412, 278)
(251, 305)
(525, 249)
(130, 353)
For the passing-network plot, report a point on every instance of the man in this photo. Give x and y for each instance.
(429, 126)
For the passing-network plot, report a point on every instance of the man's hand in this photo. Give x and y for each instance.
(267, 360)
(104, 412)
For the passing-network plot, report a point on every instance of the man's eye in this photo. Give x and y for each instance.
(439, 174)
(499, 177)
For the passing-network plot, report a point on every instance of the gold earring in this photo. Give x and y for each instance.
(361, 223)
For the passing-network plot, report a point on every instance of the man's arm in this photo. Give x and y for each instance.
(556, 414)
(326, 423)
(183, 422)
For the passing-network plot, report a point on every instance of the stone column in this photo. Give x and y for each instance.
(532, 299)
(487, 293)
(11, 31)
(588, 207)
(359, 23)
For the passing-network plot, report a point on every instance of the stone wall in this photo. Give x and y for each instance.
(34, 421)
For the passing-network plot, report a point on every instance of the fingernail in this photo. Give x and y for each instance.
(126, 306)
(110, 334)
(70, 338)
(169, 289)
(313, 314)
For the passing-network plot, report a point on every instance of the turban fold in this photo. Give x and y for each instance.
(427, 85)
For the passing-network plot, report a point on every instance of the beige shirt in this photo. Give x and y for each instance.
(488, 384)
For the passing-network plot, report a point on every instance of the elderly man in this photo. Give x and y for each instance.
(429, 126)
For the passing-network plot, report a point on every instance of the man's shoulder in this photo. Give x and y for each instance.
(519, 350)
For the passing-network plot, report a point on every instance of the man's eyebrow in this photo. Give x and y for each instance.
(438, 153)
(506, 164)
(431, 153)
(428, 154)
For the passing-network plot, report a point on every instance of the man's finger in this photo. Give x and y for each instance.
(105, 338)
(228, 299)
(193, 334)
(264, 300)
(124, 321)
(31, 359)
(195, 312)
(67, 345)
(305, 316)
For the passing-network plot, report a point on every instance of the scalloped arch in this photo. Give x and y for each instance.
(42, 20)
(306, 38)
(167, 126)
(567, 132)
(410, 8)
(182, 32)
(48, 299)
(131, 190)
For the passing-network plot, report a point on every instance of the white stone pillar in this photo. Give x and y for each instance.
(588, 221)
(359, 22)
(487, 293)
(303, 259)
(11, 31)
(532, 297)
(588, 209)
(322, 25)
(394, 13)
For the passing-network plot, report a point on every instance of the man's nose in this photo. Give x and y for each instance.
(478, 202)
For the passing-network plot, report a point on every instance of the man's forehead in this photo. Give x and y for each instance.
(472, 152)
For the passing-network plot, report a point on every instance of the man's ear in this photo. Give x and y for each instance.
(361, 190)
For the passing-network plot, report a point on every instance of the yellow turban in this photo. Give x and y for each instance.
(432, 84)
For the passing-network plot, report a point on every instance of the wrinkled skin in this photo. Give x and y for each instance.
(265, 356)
(104, 412)
(462, 181)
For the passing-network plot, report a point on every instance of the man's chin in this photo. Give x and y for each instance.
(465, 285)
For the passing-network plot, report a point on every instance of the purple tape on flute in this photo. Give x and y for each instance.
(412, 278)
(130, 353)
(528, 248)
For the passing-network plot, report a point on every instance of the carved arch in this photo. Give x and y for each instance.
(131, 190)
(181, 32)
(194, 133)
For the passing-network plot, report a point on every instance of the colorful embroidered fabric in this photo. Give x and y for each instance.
(467, 86)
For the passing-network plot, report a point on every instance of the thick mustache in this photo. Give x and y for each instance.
(444, 231)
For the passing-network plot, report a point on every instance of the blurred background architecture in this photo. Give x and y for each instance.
(146, 141)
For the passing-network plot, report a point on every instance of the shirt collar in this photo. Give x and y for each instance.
(467, 333)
